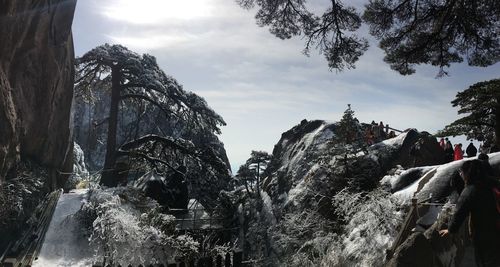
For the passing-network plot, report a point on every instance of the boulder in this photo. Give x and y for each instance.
(430, 249)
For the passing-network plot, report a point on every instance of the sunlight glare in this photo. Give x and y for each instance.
(156, 11)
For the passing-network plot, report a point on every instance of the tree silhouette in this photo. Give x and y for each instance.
(132, 77)
(253, 168)
(481, 103)
(410, 32)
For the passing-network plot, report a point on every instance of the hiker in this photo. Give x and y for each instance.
(478, 200)
(387, 129)
(471, 150)
(494, 148)
(449, 152)
(369, 136)
(415, 151)
(376, 132)
(486, 165)
(458, 154)
(381, 133)
(442, 143)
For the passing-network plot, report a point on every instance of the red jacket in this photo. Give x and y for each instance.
(458, 153)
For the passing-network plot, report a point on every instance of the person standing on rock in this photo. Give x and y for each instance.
(448, 151)
(477, 199)
(471, 150)
(442, 143)
(458, 154)
(415, 151)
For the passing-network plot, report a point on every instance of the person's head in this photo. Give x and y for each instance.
(446, 139)
(483, 157)
(442, 139)
(460, 145)
(471, 171)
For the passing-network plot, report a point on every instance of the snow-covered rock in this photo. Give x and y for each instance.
(309, 167)
(433, 185)
(306, 162)
(80, 171)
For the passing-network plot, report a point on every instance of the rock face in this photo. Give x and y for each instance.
(428, 246)
(306, 159)
(36, 85)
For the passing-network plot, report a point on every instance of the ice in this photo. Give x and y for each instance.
(64, 243)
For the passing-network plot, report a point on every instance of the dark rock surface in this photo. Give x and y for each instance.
(36, 85)
(429, 249)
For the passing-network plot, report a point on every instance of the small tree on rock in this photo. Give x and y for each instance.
(254, 168)
(481, 105)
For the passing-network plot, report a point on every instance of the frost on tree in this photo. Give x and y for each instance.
(132, 78)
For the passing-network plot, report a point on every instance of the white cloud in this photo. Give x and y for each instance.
(147, 12)
(260, 84)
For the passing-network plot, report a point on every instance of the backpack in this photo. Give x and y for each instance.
(496, 193)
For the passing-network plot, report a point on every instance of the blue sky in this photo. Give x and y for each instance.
(262, 85)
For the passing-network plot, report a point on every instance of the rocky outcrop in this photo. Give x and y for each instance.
(308, 160)
(434, 185)
(430, 249)
(36, 85)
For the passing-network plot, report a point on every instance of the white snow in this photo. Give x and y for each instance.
(396, 141)
(407, 193)
(267, 208)
(64, 243)
(295, 192)
(293, 156)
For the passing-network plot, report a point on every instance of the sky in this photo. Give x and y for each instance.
(263, 86)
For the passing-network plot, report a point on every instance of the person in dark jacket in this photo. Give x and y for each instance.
(471, 150)
(449, 152)
(485, 160)
(477, 199)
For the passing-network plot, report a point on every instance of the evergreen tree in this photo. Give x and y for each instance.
(128, 76)
(410, 32)
(348, 129)
(254, 168)
(481, 104)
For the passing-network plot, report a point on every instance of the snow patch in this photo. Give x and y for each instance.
(65, 243)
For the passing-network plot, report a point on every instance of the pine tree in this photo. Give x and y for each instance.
(348, 128)
(481, 103)
(410, 32)
(254, 168)
(348, 141)
(129, 76)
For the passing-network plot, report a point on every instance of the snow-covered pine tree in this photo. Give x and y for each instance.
(348, 130)
(348, 140)
(128, 76)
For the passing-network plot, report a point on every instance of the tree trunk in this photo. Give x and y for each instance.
(108, 177)
(497, 120)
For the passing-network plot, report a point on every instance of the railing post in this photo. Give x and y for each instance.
(194, 219)
(219, 261)
(237, 259)
(227, 261)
